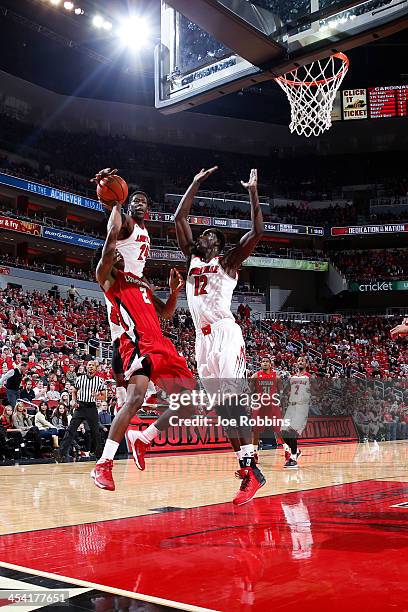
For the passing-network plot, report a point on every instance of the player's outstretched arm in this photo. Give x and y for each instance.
(183, 229)
(166, 310)
(234, 258)
(127, 222)
(104, 270)
(400, 330)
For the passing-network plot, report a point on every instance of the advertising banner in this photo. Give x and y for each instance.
(87, 242)
(330, 429)
(16, 225)
(354, 104)
(378, 286)
(359, 230)
(163, 255)
(288, 264)
(186, 439)
(49, 192)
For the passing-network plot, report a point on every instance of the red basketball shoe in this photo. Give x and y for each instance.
(252, 480)
(102, 475)
(138, 448)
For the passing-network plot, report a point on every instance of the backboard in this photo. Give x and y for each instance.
(210, 48)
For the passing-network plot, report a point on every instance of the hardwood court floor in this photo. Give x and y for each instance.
(331, 535)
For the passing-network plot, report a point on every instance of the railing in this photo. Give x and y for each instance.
(103, 349)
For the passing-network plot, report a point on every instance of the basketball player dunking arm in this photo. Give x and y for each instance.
(220, 348)
(265, 382)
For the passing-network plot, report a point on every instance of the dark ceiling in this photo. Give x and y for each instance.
(62, 52)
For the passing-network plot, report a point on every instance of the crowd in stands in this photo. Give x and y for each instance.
(373, 264)
(47, 268)
(46, 341)
(68, 160)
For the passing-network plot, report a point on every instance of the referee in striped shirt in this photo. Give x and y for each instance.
(86, 390)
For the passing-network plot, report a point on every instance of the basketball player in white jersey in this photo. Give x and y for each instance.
(220, 348)
(296, 413)
(134, 240)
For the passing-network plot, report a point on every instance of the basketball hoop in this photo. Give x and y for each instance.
(311, 91)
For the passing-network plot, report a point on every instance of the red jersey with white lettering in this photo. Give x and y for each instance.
(266, 382)
(143, 337)
(266, 385)
(135, 250)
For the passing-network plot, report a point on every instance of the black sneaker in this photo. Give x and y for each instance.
(259, 476)
(291, 464)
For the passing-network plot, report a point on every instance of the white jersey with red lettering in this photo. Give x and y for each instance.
(116, 330)
(299, 399)
(209, 292)
(220, 348)
(300, 388)
(135, 250)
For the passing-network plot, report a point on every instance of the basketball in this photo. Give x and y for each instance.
(112, 189)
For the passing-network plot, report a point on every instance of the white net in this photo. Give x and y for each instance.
(311, 91)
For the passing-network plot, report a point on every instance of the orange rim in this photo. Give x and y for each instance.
(340, 56)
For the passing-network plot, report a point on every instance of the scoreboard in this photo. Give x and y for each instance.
(388, 101)
(371, 103)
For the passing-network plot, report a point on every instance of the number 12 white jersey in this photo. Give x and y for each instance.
(209, 292)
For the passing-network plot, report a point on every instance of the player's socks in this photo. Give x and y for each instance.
(149, 434)
(109, 451)
(247, 450)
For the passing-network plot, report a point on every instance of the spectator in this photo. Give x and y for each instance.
(12, 380)
(46, 429)
(27, 393)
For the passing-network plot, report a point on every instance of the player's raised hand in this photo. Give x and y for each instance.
(176, 281)
(103, 174)
(204, 174)
(252, 184)
(399, 330)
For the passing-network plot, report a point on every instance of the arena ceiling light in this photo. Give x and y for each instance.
(68, 6)
(100, 22)
(55, 2)
(133, 33)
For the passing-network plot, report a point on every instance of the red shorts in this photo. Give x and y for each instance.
(169, 370)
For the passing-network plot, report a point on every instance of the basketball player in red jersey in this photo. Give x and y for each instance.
(265, 384)
(134, 246)
(146, 354)
(220, 348)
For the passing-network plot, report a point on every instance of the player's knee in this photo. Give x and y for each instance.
(134, 401)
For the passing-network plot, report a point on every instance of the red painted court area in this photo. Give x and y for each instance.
(336, 548)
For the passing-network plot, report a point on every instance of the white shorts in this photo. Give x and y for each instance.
(221, 354)
(297, 415)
